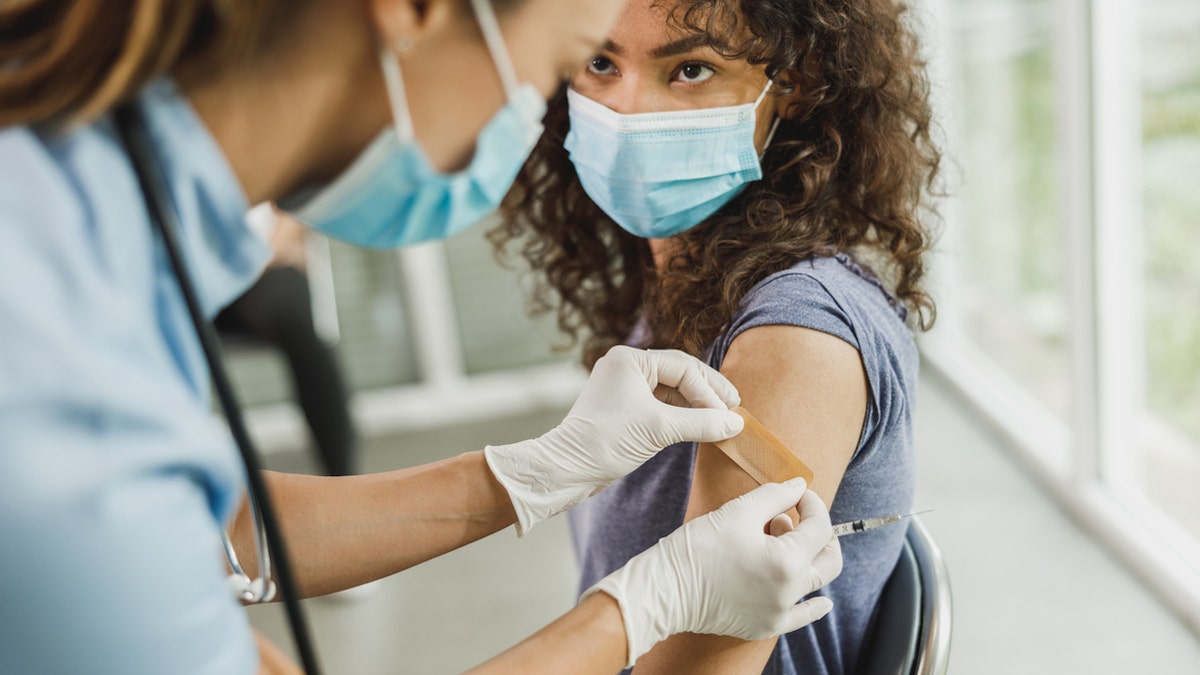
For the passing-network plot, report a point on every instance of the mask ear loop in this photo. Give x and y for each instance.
(490, 27)
(394, 83)
(770, 135)
(774, 125)
(763, 93)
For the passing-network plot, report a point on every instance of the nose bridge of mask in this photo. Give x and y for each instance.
(689, 121)
(693, 120)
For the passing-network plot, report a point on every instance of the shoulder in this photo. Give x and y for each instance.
(824, 316)
(43, 222)
(34, 185)
(800, 328)
(53, 189)
(824, 294)
(58, 266)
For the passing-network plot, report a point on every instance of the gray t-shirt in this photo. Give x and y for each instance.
(836, 296)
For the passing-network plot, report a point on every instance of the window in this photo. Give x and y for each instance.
(428, 336)
(491, 302)
(1015, 304)
(374, 344)
(1170, 201)
(1070, 278)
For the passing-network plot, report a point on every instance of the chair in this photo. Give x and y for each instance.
(911, 635)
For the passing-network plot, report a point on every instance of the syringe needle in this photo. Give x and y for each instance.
(864, 524)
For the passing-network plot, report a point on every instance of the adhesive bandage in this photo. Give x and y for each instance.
(763, 456)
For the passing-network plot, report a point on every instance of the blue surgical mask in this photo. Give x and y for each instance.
(391, 196)
(662, 173)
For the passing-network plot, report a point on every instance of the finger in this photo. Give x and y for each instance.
(812, 533)
(826, 566)
(781, 525)
(814, 517)
(700, 384)
(670, 396)
(807, 612)
(703, 425)
(766, 501)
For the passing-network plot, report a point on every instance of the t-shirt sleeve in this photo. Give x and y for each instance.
(793, 298)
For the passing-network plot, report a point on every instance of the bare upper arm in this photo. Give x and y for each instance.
(810, 389)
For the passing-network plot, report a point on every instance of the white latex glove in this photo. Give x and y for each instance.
(721, 574)
(634, 404)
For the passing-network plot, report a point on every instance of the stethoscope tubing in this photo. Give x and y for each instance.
(272, 548)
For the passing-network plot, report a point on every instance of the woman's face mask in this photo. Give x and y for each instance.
(659, 174)
(391, 195)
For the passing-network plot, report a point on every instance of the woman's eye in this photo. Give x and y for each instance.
(694, 72)
(601, 66)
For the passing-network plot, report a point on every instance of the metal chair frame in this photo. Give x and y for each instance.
(937, 610)
(911, 635)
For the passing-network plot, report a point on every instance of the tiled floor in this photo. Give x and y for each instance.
(1032, 594)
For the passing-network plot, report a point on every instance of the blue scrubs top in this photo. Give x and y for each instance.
(115, 478)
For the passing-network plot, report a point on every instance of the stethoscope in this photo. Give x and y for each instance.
(274, 566)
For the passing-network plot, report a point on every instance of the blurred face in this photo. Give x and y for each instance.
(647, 65)
(451, 79)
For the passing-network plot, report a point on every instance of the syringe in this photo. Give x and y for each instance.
(842, 529)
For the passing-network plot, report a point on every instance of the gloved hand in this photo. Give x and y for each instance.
(634, 404)
(721, 574)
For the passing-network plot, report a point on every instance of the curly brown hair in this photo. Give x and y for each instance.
(851, 170)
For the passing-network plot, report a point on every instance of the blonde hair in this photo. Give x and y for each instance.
(69, 61)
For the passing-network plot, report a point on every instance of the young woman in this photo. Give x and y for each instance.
(753, 177)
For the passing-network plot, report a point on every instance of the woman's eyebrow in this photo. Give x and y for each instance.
(676, 47)
(686, 44)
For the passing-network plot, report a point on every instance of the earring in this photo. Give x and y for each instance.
(402, 44)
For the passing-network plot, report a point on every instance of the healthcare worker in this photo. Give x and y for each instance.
(116, 484)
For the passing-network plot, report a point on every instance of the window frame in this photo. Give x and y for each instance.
(444, 394)
(1085, 462)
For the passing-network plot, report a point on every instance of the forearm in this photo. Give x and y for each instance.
(588, 640)
(700, 654)
(345, 531)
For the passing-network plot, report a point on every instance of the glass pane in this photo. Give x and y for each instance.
(491, 300)
(1170, 170)
(373, 347)
(1013, 248)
